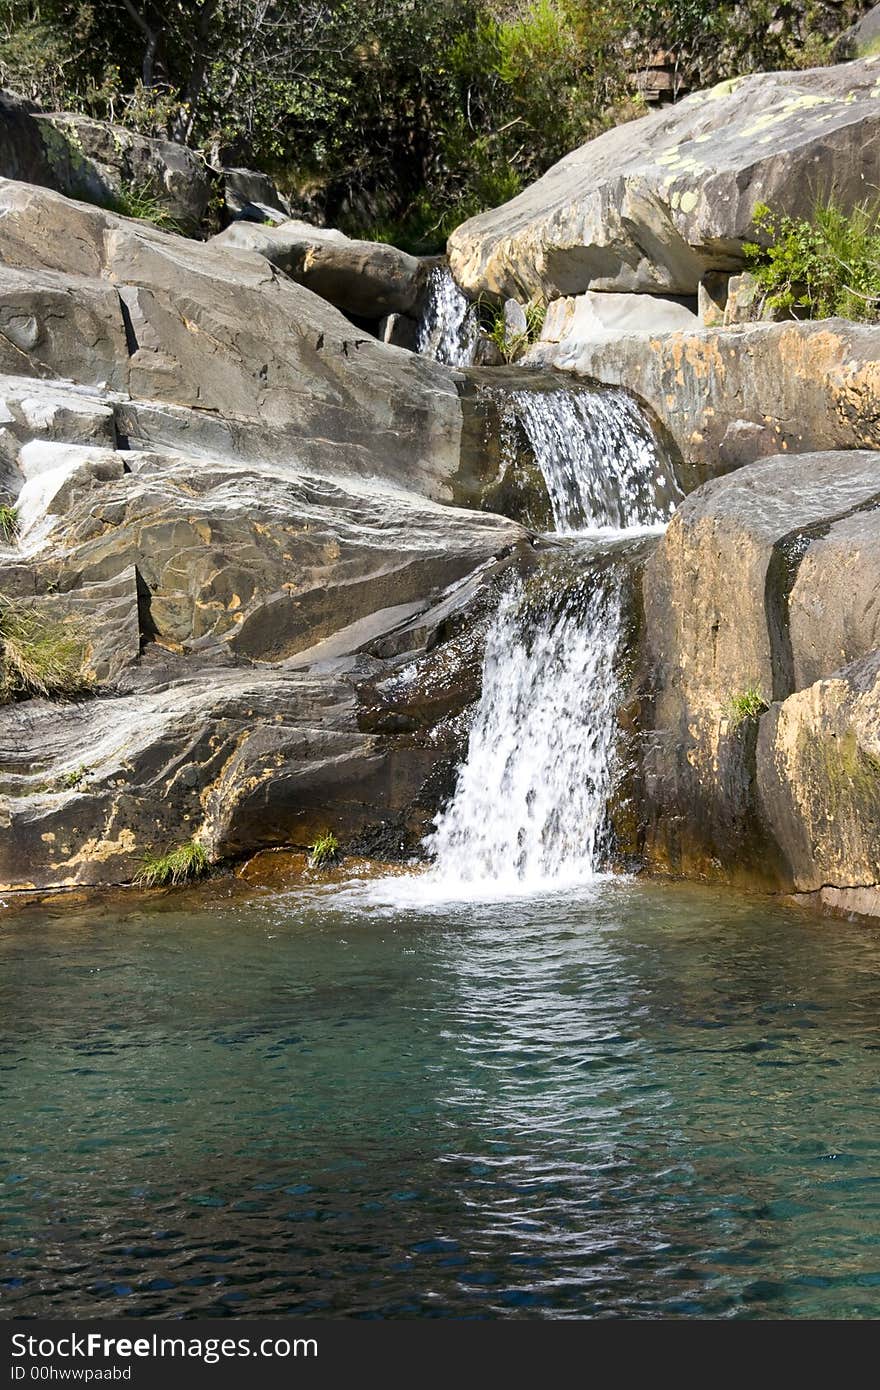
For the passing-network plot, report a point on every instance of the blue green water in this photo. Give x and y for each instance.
(637, 1100)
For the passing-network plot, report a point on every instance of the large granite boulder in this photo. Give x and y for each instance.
(102, 162)
(368, 279)
(729, 396)
(761, 628)
(655, 204)
(222, 333)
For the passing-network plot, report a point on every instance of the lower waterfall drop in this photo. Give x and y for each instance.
(529, 805)
(529, 810)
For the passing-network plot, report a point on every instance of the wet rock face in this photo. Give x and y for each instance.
(761, 718)
(654, 204)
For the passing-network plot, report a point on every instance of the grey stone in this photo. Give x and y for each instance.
(766, 582)
(369, 279)
(250, 196)
(654, 204)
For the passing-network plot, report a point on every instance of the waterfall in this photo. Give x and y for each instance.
(598, 455)
(529, 808)
(529, 805)
(449, 327)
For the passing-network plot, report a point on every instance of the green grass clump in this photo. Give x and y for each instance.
(181, 865)
(820, 268)
(39, 656)
(8, 524)
(74, 778)
(324, 852)
(749, 704)
(512, 345)
(140, 200)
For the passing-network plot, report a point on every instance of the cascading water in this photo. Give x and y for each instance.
(449, 326)
(529, 807)
(598, 455)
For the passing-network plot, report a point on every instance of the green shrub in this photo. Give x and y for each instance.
(8, 524)
(181, 865)
(749, 704)
(324, 852)
(39, 656)
(821, 268)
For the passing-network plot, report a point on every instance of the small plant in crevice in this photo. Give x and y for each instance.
(747, 705)
(821, 267)
(39, 656)
(511, 346)
(184, 864)
(140, 200)
(8, 524)
(69, 781)
(324, 853)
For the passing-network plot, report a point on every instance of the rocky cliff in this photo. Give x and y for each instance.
(239, 504)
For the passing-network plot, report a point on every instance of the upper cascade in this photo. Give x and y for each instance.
(449, 330)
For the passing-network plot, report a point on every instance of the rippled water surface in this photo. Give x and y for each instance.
(634, 1100)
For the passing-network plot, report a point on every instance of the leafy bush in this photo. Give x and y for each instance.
(39, 657)
(181, 865)
(827, 266)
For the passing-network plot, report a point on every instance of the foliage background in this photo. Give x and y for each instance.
(390, 118)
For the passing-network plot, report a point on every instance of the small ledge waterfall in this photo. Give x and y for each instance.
(449, 327)
(529, 810)
(529, 806)
(597, 453)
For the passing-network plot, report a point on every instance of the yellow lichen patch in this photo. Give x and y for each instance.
(807, 102)
(95, 851)
(724, 89)
(689, 200)
(703, 356)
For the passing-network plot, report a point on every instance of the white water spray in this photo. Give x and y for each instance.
(529, 806)
(599, 457)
